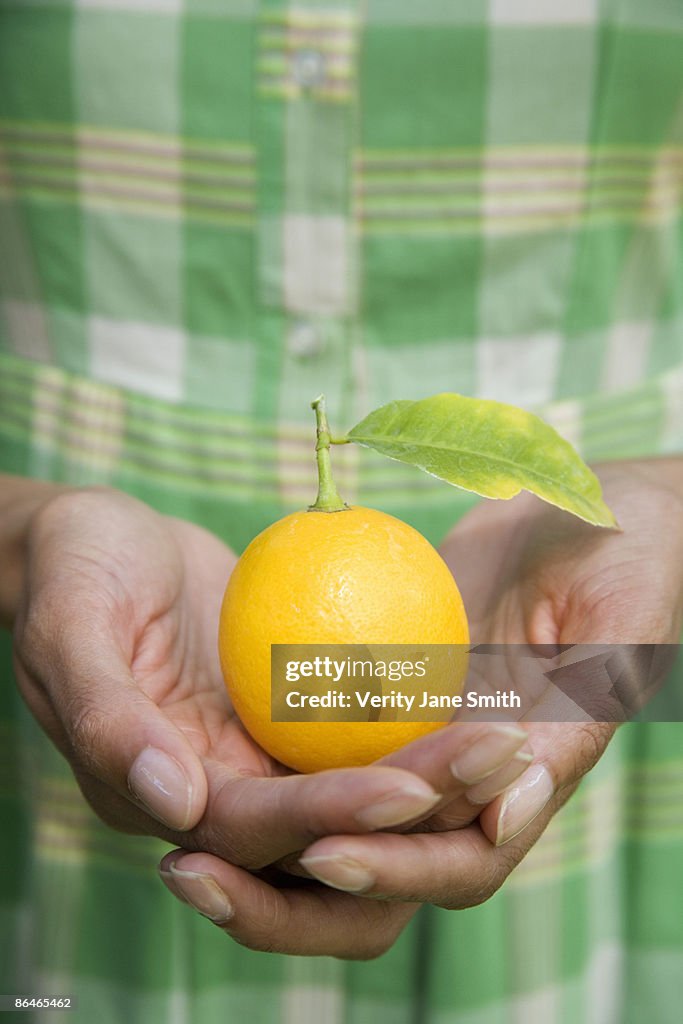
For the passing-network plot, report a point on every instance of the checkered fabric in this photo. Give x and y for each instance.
(212, 210)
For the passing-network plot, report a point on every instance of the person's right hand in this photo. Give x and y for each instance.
(116, 655)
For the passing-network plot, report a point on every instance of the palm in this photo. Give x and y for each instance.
(152, 587)
(541, 577)
(175, 658)
(532, 574)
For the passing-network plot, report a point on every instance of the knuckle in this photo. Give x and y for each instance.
(484, 886)
(383, 924)
(33, 635)
(487, 873)
(507, 858)
(45, 636)
(270, 938)
(228, 841)
(88, 724)
(590, 743)
(228, 825)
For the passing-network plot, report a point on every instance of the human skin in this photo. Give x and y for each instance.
(115, 611)
(528, 574)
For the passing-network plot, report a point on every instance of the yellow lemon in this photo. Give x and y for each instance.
(356, 576)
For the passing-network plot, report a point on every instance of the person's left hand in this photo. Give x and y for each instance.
(529, 574)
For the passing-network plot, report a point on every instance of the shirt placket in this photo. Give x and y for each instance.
(306, 102)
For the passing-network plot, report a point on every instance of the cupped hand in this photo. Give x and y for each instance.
(529, 574)
(115, 644)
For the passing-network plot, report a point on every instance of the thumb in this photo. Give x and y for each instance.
(110, 730)
(563, 753)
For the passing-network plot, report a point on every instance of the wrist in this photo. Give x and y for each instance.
(20, 501)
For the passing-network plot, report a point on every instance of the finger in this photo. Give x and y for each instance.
(461, 755)
(305, 921)
(111, 730)
(253, 821)
(564, 753)
(449, 869)
(463, 810)
(491, 787)
(457, 814)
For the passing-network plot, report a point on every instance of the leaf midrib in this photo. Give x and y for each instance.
(466, 451)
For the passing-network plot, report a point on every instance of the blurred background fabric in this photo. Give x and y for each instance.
(209, 213)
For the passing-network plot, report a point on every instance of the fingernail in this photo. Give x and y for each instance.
(203, 893)
(487, 754)
(160, 784)
(169, 881)
(497, 783)
(397, 809)
(523, 803)
(340, 872)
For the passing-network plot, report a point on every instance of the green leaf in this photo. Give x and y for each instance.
(493, 449)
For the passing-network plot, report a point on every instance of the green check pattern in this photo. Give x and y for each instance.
(211, 211)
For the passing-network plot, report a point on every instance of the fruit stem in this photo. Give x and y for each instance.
(328, 499)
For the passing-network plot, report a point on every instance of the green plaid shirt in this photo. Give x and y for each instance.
(210, 211)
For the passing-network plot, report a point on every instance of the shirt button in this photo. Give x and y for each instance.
(304, 340)
(309, 67)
